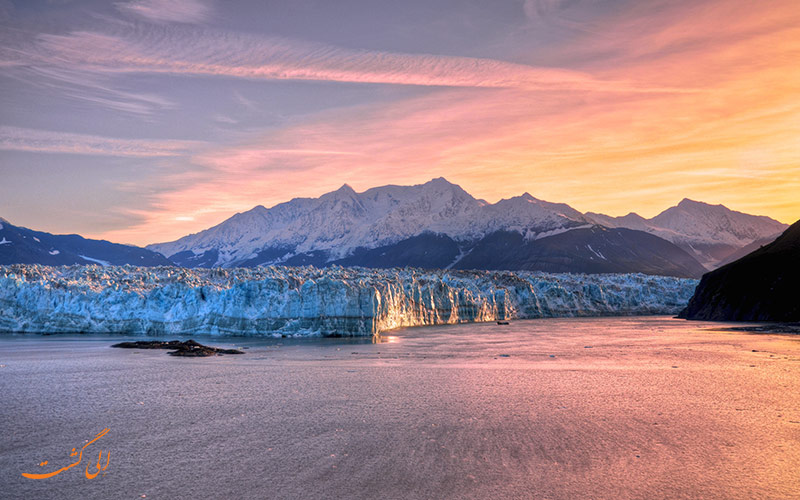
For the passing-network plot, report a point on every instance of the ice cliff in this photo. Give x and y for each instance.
(310, 301)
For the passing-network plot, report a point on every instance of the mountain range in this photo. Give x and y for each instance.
(432, 225)
(19, 245)
(710, 233)
(439, 225)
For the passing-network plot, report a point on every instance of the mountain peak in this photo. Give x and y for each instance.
(441, 182)
(343, 193)
(524, 197)
(632, 216)
(441, 187)
(687, 203)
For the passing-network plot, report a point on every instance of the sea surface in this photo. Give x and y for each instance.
(643, 407)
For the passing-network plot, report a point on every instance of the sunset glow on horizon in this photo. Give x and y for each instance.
(137, 123)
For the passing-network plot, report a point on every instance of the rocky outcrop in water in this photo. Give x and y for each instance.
(187, 348)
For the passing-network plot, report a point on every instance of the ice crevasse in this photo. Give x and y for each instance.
(271, 301)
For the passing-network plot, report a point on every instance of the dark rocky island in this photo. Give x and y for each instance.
(761, 286)
(188, 348)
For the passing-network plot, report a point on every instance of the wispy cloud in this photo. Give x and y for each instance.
(24, 59)
(191, 51)
(87, 65)
(45, 141)
(181, 11)
(95, 88)
(225, 119)
(248, 104)
(537, 9)
(254, 157)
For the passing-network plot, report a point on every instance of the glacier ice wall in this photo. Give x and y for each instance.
(310, 301)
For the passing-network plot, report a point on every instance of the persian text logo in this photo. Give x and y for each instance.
(79, 454)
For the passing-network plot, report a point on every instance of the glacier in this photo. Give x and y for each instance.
(299, 301)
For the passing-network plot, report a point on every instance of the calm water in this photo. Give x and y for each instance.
(556, 408)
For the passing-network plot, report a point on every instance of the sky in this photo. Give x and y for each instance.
(141, 121)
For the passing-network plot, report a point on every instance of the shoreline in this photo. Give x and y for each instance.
(768, 328)
(316, 335)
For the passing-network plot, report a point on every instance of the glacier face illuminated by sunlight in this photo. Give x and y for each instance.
(309, 301)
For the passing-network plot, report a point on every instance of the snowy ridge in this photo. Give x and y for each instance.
(708, 232)
(339, 224)
(341, 221)
(268, 301)
(699, 222)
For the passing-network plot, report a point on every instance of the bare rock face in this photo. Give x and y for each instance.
(762, 286)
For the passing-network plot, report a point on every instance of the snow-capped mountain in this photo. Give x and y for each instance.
(432, 225)
(338, 224)
(708, 232)
(439, 225)
(19, 245)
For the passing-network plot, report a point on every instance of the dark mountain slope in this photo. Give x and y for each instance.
(591, 250)
(428, 250)
(762, 286)
(19, 245)
(752, 247)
